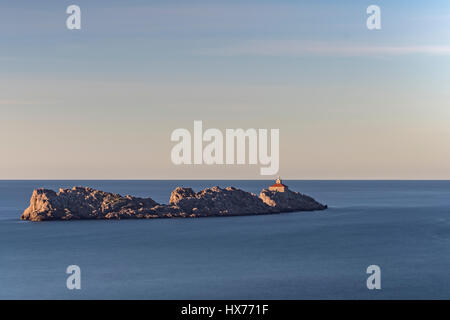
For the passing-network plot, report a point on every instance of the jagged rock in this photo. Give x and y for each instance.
(179, 194)
(289, 201)
(88, 203)
(217, 202)
(83, 203)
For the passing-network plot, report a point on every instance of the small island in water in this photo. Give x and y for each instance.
(88, 203)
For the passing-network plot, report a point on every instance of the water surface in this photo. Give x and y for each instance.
(402, 226)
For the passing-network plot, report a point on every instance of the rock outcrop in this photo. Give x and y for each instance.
(289, 201)
(218, 202)
(83, 203)
(88, 203)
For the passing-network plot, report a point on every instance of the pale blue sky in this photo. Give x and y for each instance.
(101, 102)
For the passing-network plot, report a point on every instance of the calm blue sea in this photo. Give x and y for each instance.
(401, 226)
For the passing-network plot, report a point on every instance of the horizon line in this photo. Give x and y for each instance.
(288, 179)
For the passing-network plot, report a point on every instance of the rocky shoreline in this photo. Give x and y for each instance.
(87, 203)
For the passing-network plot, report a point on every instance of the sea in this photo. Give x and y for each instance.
(403, 227)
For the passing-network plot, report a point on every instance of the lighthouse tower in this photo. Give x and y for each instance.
(278, 186)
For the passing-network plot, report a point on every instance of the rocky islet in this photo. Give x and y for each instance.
(87, 203)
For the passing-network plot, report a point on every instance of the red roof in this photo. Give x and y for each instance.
(278, 185)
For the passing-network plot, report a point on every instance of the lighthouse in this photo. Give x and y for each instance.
(278, 186)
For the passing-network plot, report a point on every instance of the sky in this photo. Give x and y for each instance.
(102, 102)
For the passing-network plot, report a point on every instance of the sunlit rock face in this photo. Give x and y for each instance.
(83, 203)
(216, 201)
(288, 201)
(88, 203)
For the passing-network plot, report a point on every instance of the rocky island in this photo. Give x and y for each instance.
(88, 203)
